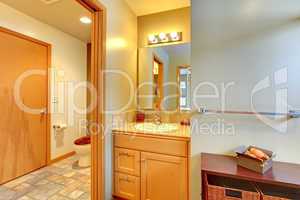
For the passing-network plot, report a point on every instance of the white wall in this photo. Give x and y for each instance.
(68, 54)
(244, 56)
(121, 55)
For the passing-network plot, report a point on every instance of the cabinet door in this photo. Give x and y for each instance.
(127, 161)
(127, 187)
(163, 177)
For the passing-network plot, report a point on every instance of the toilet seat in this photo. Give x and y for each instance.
(83, 140)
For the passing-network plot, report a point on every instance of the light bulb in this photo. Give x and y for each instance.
(163, 37)
(174, 36)
(152, 39)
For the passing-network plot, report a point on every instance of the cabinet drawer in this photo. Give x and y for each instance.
(127, 187)
(150, 144)
(127, 161)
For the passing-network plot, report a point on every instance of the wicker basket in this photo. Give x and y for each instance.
(273, 192)
(222, 193)
(222, 188)
(266, 197)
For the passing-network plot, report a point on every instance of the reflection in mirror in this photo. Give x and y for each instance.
(158, 70)
(184, 81)
(164, 77)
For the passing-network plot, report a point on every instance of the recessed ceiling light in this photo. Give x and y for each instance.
(85, 20)
(50, 1)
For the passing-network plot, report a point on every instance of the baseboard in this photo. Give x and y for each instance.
(60, 158)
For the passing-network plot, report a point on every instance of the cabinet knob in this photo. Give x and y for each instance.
(126, 179)
(124, 154)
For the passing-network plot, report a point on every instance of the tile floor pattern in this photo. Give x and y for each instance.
(60, 181)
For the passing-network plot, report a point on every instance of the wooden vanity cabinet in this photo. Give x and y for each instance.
(163, 177)
(154, 173)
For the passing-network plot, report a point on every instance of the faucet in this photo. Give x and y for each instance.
(157, 118)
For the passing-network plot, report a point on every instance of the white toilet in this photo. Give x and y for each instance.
(82, 148)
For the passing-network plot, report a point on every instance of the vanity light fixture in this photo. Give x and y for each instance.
(164, 38)
(85, 20)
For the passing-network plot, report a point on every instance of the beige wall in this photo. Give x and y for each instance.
(169, 21)
(244, 56)
(68, 55)
(121, 55)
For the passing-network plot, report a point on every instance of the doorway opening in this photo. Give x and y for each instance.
(38, 158)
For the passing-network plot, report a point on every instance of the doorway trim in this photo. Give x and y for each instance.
(98, 50)
(158, 60)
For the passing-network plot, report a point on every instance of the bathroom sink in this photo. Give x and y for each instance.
(153, 128)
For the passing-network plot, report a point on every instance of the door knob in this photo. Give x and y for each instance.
(43, 112)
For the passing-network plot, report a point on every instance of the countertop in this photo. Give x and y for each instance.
(183, 132)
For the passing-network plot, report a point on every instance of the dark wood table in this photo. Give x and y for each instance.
(282, 174)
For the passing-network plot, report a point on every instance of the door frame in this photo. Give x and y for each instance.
(98, 52)
(48, 114)
(157, 59)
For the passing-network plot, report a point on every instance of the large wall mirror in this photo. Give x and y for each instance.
(164, 78)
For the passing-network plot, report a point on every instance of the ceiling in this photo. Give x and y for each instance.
(223, 21)
(146, 7)
(62, 14)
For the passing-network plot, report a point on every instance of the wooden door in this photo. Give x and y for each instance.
(23, 135)
(163, 177)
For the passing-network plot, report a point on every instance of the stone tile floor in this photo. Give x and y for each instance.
(60, 181)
